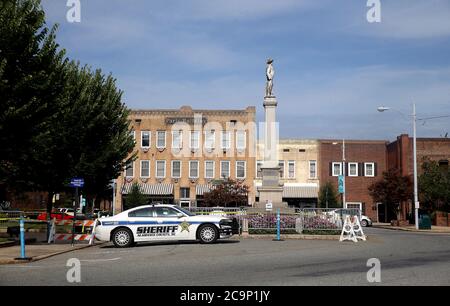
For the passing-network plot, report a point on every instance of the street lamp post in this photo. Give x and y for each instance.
(416, 194)
(343, 172)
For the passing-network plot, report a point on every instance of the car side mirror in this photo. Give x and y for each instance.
(180, 215)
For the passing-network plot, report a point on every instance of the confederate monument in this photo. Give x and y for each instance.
(272, 189)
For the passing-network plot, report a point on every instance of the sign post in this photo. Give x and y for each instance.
(76, 183)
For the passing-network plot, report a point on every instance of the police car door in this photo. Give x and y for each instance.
(172, 227)
(141, 222)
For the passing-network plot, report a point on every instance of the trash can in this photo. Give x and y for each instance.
(424, 222)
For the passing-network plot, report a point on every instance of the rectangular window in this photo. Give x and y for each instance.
(312, 169)
(241, 140)
(176, 168)
(184, 193)
(352, 169)
(240, 169)
(226, 140)
(337, 169)
(145, 139)
(129, 169)
(369, 169)
(195, 140)
(133, 134)
(161, 139)
(209, 169)
(193, 169)
(160, 168)
(210, 139)
(177, 139)
(259, 164)
(145, 168)
(291, 169)
(281, 165)
(224, 169)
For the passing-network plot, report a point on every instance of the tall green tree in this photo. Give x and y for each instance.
(328, 196)
(392, 190)
(434, 186)
(31, 82)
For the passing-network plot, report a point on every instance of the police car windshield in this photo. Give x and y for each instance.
(187, 212)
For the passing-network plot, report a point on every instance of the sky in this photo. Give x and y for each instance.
(332, 67)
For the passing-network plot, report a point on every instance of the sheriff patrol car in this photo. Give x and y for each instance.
(161, 222)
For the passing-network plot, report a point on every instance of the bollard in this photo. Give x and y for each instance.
(22, 240)
(278, 226)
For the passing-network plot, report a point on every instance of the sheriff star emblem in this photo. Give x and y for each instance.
(185, 226)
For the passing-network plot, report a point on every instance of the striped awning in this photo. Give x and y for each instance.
(303, 192)
(202, 189)
(150, 189)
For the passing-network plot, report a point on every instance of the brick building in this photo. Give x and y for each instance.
(365, 161)
(400, 156)
(297, 159)
(180, 152)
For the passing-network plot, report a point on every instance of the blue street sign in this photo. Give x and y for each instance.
(76, 182)
(341, 183)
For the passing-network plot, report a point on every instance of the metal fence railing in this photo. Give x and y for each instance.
(8, 217)
(301, 221)
(219, 211)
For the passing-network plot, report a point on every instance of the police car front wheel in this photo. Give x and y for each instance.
(123, 238)
(208, 233)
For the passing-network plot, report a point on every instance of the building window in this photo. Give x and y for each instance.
(195, 140)
(176, 168)
(177, 139)
(145, 168)
(352, 169)
(193, 169)
(184, 193)
(241, 140)
(312, 169)
(209, 169)
(337, 169)
(161, 139)
(133, 134)
(224, 169)
(226, 140)
(369, 169)
(291, 169)
(145, 139)
(259, 164)
(129, 169)
(210, 139)
(281, 165)
(160, 168)
(240, 169)
(353, 205)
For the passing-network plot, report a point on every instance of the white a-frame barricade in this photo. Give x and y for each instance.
(352, 229)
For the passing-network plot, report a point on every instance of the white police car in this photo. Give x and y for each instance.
(161, 222)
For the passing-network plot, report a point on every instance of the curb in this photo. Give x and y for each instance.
(411, 230)
(291, 237)
(40, 257)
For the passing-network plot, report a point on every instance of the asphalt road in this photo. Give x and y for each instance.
(406, 258)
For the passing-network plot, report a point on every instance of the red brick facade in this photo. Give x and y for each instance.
(400, 156)
(360, 152)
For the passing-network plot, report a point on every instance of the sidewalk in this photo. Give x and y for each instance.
(411, 228)
(37, 251)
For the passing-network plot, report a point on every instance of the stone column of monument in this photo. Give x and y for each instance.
(271, 189)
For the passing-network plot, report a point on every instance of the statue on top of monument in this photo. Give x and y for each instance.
(269, 75)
